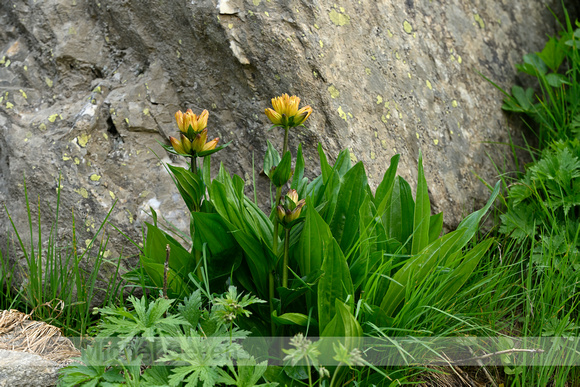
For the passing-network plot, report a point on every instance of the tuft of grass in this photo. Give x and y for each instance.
(60, 279)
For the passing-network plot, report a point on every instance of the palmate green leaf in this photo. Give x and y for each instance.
(191, 308)
(422, 215)
(246, 374)
(553, 54)
(533, 65)
(336, 283)
(345, 220)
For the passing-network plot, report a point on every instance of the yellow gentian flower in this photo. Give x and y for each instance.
(286, 113)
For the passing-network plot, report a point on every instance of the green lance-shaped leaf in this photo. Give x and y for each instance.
(283, 172)
(421, 218)
(335, 284)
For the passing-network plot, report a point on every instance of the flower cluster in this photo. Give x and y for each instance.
(193, 138)
(290, 208)
(285, 113)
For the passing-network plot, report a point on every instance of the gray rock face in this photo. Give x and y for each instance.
(22, 369)
(87, 88)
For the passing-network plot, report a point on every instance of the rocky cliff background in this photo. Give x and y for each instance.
(89, 87)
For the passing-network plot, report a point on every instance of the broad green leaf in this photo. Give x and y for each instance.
(283, 171)
(271, 159)
(335, 284)
(298, 169)
(533, 65)
(180, 259)
(386, 186)
(294, 319)
(345, 220)
(422, 213)
(310, 249)
(407, 210)
(189, 186)
(435, 227)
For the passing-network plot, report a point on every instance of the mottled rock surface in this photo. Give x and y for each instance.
(22, 369)
(87, 88)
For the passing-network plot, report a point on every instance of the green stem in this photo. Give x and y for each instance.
(275, 249)
(285, 266)
(334, 375)
(286, 130)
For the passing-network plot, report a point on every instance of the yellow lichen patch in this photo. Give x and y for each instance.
(107, 254)
(367, 71)
(42, 127)
(9, 105)
(83, 192)
(353, 158)
(341, 113)
(339, 18)
(65, 157)
(452, 58)
(127, 121)
(52, 117)
(130, 216)
(479, 20)
(379, 99)
(407, 27)
(256, 2)
(397, 55)
(384, 144)
(316, 26)
(88, 242)
(25, 68)
(334, 93)
(77, 161)
(321, 44)
(373, 155)
(23, 94)
(106, 136)
(267, 14)
(389, 33)
(7, 63)
(435, 141)
(230, 26)
(83, 139)
(3, 60)
(95, 177)
(417, 134)
(454, 103)
(384, 118)
(376, 134)
(48, 81)
(459, 60)
(429, 84)
(409, 75)
(112, 194)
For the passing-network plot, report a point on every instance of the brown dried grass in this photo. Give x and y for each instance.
(18, 332)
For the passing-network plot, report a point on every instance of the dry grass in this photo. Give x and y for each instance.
(19, 333)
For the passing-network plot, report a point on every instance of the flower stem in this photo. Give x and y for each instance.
(275, 250)
(285, 141)
(285, 266)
